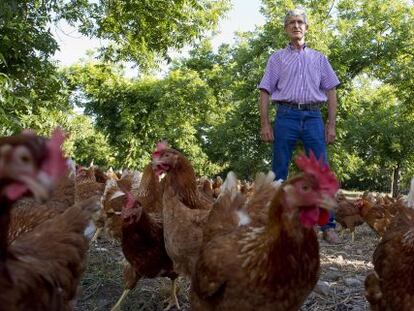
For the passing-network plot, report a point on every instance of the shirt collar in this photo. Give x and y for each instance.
(290, 47)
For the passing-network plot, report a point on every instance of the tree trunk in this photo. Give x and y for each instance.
(395, 184)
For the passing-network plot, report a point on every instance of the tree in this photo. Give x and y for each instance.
(379, 132)
(134, 115)
(143, 30)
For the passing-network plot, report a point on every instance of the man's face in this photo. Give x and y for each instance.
(296, 27)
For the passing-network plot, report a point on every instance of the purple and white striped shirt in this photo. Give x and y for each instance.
(298, 76)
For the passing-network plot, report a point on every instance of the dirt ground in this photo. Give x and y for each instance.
(340, 288)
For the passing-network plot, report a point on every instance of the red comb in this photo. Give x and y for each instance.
(55, 166)
(319, 170)
(161, 146)
(130, 200)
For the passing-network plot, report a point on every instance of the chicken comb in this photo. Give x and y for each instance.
(161, 146)
(319, 170)
(55, 166)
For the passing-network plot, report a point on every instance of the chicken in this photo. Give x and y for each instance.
(39, 270)
(91, 182)
(180, 176)
(185, 209)
(112, 202)
(391, 286)
(269, 267)
(88, 182)
(142, 236)
(246, 188)
(183, 232)
(29, 214)
(378, 215)
(216, 186)
(262, 190)
(205, 185)
(348, 215)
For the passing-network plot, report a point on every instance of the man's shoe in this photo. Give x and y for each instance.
(331, 236)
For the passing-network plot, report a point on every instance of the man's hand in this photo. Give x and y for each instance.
(330, 133)
(267, 133)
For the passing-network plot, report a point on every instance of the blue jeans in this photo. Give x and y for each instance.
(290, 126)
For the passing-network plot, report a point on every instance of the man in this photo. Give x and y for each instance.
(298, 80)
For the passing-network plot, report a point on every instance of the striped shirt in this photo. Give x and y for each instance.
(298, 76)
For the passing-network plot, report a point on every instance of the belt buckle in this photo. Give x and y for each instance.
(300, 106)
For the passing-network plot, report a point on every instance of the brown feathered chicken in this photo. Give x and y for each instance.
(113, 200)
(391, 286)
(347, 214)
(205, 185)
(89, 182)
(180, 177)
(379, 214)
(217, 182)
(143, 238)
(39, 270)
(185, 208)
(270, 267)
(28, 213)
(263, 190)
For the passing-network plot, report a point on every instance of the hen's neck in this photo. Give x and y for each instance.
(144, 225)
(182, 180)
(5, 206)
(365, 208)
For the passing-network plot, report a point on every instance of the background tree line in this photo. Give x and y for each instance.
(206, 105)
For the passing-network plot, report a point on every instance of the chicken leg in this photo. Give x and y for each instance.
(117, 306)
(173, 300)
(95, 236)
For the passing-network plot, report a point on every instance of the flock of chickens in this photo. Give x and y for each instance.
(250, 247)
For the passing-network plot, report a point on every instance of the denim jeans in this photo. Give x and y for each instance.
(290, 126)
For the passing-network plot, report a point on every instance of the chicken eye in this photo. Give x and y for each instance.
(305, 188)
(25, 159)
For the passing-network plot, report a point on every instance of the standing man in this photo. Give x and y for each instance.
(299, 81)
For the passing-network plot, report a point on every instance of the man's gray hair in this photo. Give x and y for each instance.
(298, 11)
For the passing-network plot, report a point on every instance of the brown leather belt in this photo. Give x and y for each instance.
(300, 106)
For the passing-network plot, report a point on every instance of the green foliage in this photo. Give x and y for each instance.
(378, 131)
(134, 115)
(142, 30)
(87, 145)
(33, 93)
(29, 82)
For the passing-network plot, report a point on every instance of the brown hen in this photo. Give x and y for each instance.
(143, 237)
(379, 214)
(347, 214)
(391, 286)
(185, 208)
(269, 267)
(39, 270)
(113, 200)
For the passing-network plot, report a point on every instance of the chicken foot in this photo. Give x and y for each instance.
(117, 306)
(95, 236)
(173, 300)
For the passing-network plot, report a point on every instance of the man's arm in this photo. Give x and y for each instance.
(330, 129)
(266, 131)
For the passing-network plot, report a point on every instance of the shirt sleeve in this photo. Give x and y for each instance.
(271, 75)
(329, 80)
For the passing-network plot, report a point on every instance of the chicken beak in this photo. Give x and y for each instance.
(327, 202)
(41, 186)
